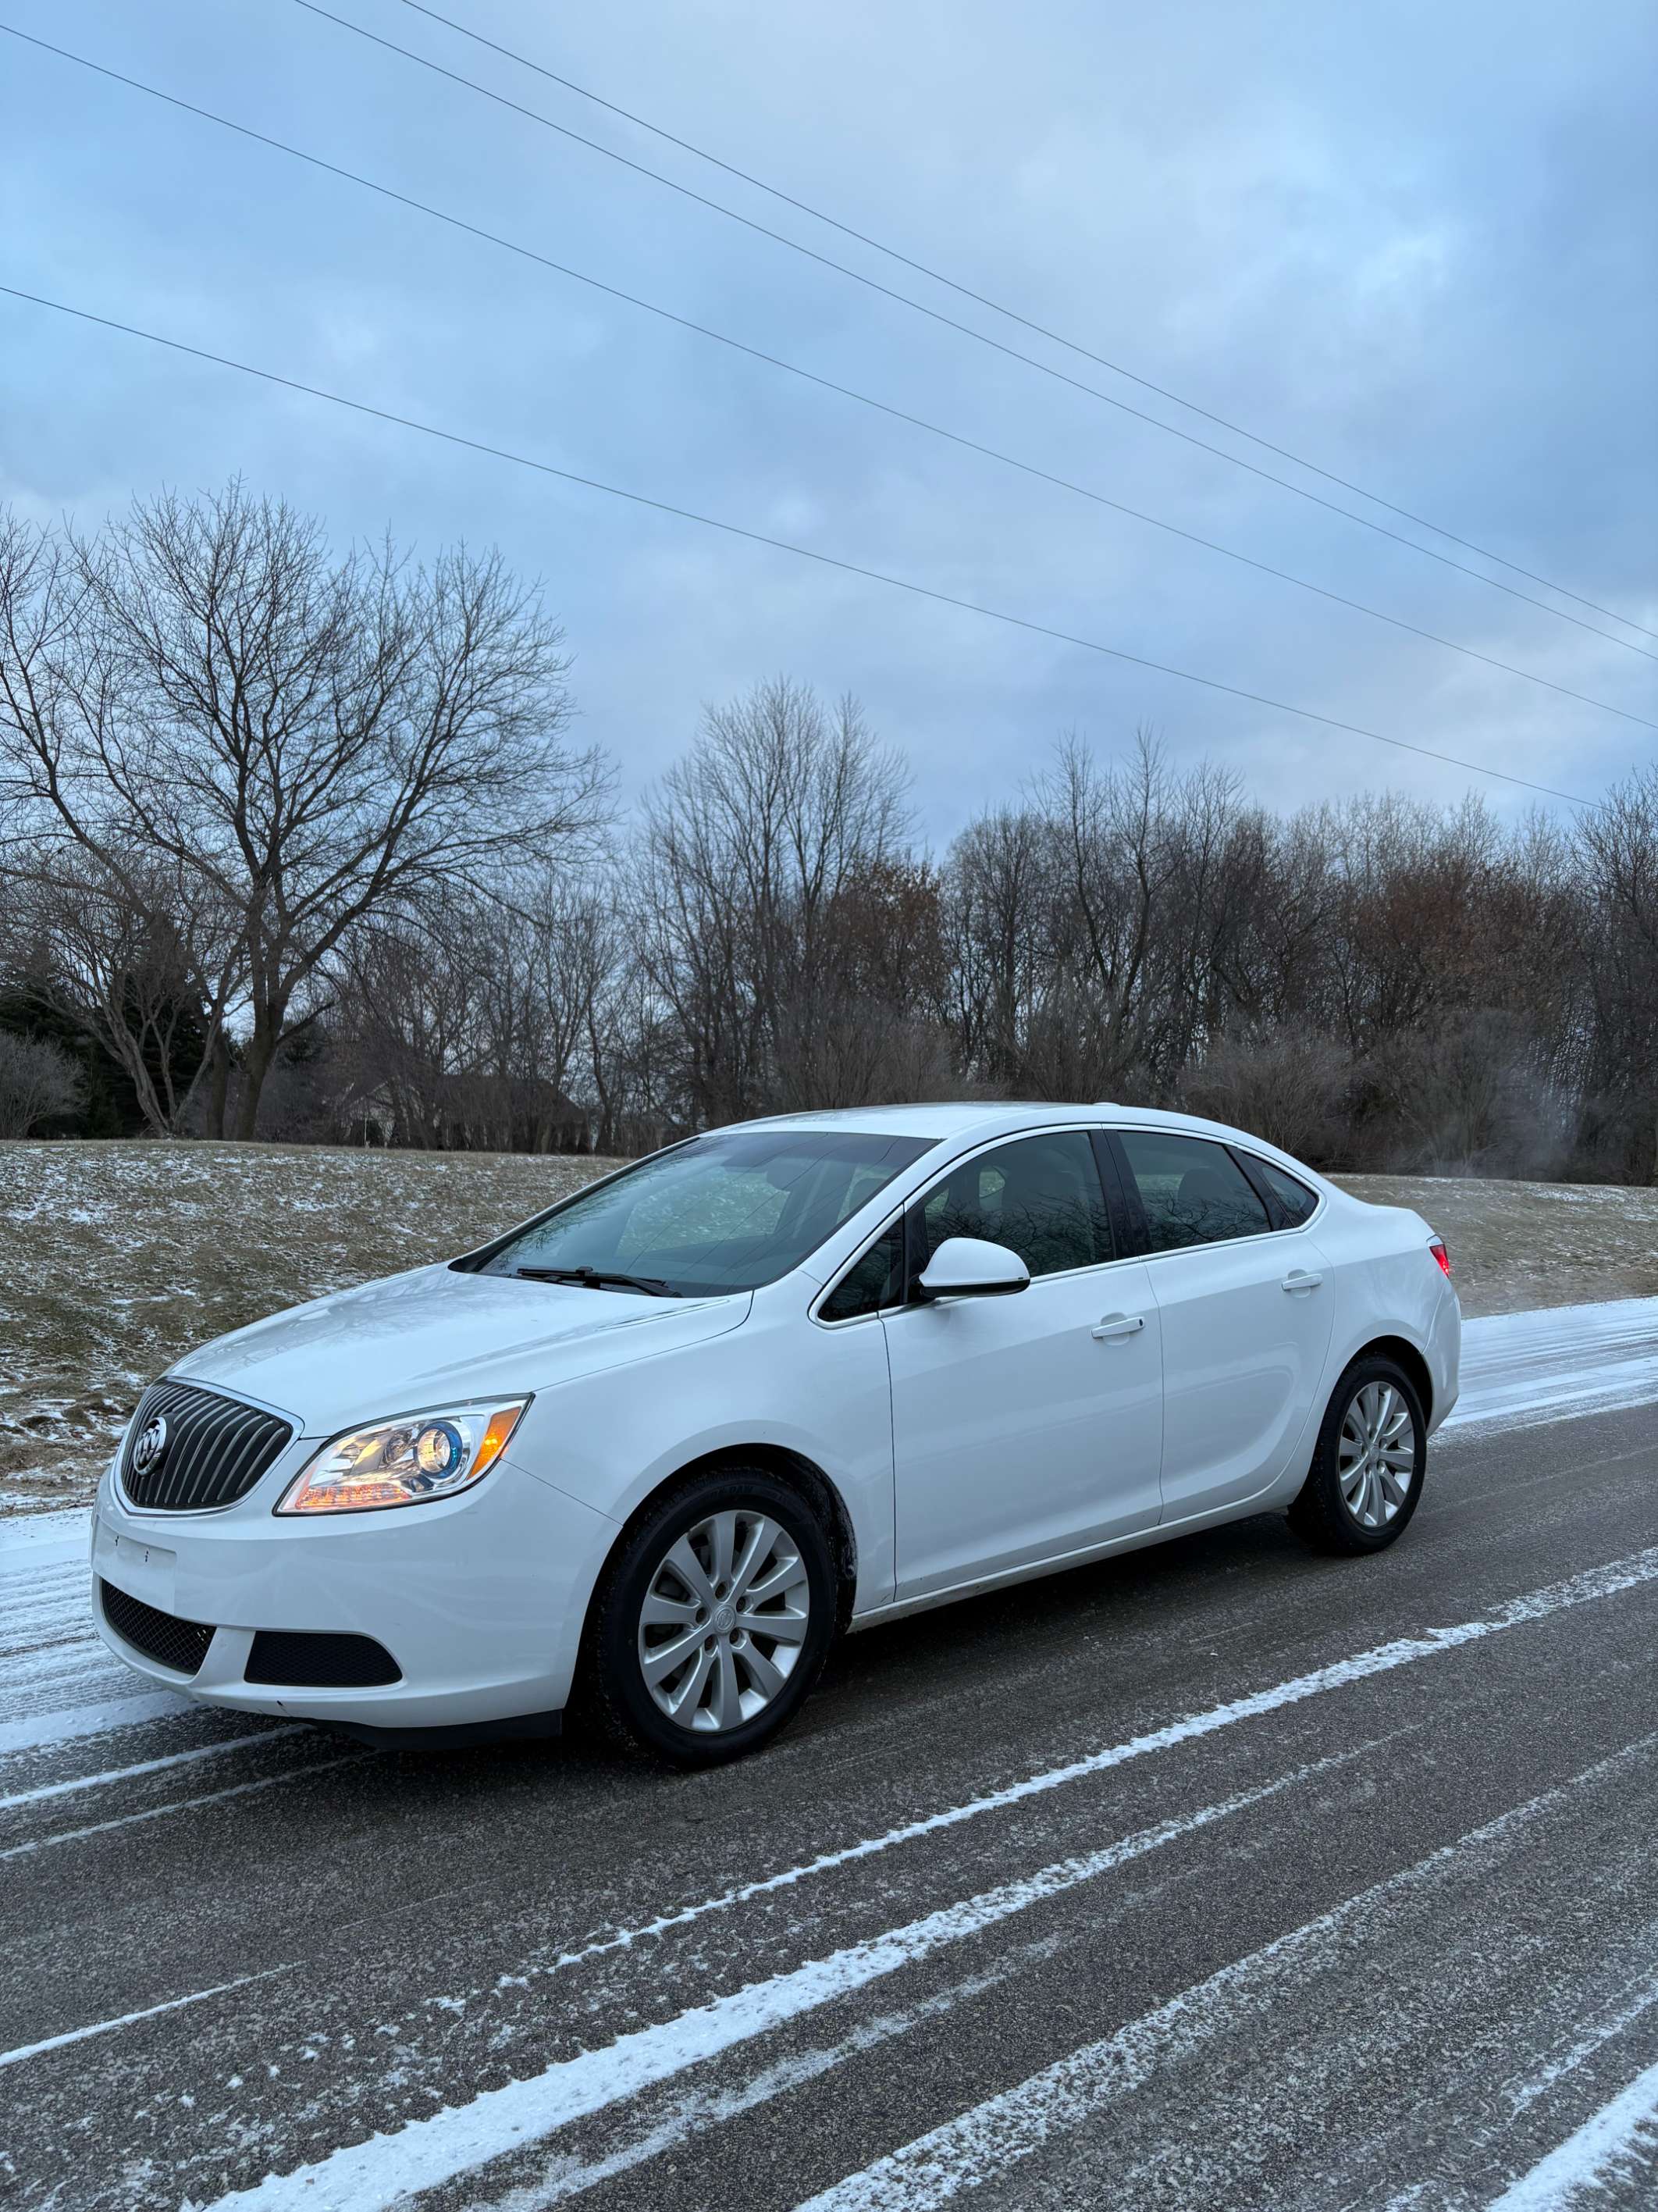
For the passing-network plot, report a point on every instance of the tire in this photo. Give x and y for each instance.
(1357, 1498)
(701, 1699)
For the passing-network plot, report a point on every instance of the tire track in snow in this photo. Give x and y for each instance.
(46, 1789)
(371, 2176)
(178, 1805)
(499, 2121)
(983, 2143)
(41, 1731)
(49, 1650)
(1591, 1584)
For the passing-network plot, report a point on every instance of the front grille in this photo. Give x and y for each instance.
(213, 1449)
(307, 1660)
(180, 1645)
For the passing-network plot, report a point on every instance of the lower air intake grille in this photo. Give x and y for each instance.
(162, 1637)
(307, 1659)
(190, 1449)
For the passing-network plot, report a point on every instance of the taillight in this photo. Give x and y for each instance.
(1436, 1246)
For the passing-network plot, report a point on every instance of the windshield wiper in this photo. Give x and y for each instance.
(601, 1278)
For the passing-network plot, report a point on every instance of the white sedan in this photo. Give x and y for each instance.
(651, 1451)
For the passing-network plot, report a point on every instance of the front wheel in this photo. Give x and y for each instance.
(714, 1619)
(1368, 1465)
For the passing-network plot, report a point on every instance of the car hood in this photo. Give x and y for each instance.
(411, 1341)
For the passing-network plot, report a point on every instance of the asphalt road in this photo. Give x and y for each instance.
(1216, 1876)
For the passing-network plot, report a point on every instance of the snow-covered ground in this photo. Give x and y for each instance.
(122, 1256)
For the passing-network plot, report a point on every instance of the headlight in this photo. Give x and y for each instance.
(407, 1461)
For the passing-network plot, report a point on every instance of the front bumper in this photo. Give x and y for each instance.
(479, 1599)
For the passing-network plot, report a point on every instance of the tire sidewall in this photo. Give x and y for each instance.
(620, 1683)
(1364, 1371)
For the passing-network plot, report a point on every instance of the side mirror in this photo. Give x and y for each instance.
(968, 1268)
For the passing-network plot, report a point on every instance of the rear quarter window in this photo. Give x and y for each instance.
(1297, 1202)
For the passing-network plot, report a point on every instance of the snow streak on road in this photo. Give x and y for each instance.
(1214, 1875)
(1522, 1368)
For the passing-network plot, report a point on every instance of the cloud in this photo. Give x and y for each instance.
(1413, 245)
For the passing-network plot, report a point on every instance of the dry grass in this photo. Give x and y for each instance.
(1516, 1245)
(119, 1257)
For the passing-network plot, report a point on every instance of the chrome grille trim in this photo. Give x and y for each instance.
(216, 1449)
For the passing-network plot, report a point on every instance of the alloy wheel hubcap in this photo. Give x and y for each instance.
(724, 1620)
(1376, 1458)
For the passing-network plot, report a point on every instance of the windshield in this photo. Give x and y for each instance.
(727, 1212)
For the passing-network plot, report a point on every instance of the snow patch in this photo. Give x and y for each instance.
(1557, 1363)
(43, 1729)
(985, 2141)
(1619, 2143)
(39, 1540)
(129, 2019)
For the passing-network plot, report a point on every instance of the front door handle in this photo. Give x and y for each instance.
(1299, 1279)
(1118, 1324)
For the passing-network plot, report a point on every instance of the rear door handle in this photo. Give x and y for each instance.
(1299, 1279)
(1119, 1325)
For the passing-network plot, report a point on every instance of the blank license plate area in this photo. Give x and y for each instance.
(142, 1570)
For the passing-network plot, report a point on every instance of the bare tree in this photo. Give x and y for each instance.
(1618, 854)
(313, 739)
(123, 956)
(779, 810)
(1283, 1081)
(467, 1021)
(125, 935)
(248, 787)
(1090, 925)
(38, 1082)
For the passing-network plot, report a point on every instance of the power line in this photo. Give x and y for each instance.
(966, 329)
(1025, 322)
(810, 376)
(783, 545)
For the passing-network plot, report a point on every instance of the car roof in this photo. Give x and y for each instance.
(976, 1119)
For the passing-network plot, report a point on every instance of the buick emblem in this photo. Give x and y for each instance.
(152, 1443)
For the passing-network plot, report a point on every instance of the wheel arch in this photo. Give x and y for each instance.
(800, 1474)
(1404, 1354)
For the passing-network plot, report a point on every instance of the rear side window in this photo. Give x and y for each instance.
(1192, 1192)
(874, 1280)
(1039, 1196)
(1299, 1204)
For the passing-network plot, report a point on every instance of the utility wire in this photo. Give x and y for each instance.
(1025, 322)
(783, 545)
(966, 329)
(773, 360)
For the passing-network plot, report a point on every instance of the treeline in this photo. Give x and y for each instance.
(297, 847)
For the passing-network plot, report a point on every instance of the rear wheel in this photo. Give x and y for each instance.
(1368, 1465)
(713, 1619)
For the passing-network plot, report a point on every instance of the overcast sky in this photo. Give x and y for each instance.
(1415, 244)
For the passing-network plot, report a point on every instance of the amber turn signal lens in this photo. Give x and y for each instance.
(501, 1426)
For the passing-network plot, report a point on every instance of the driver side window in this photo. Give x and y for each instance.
(1039, 1196)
